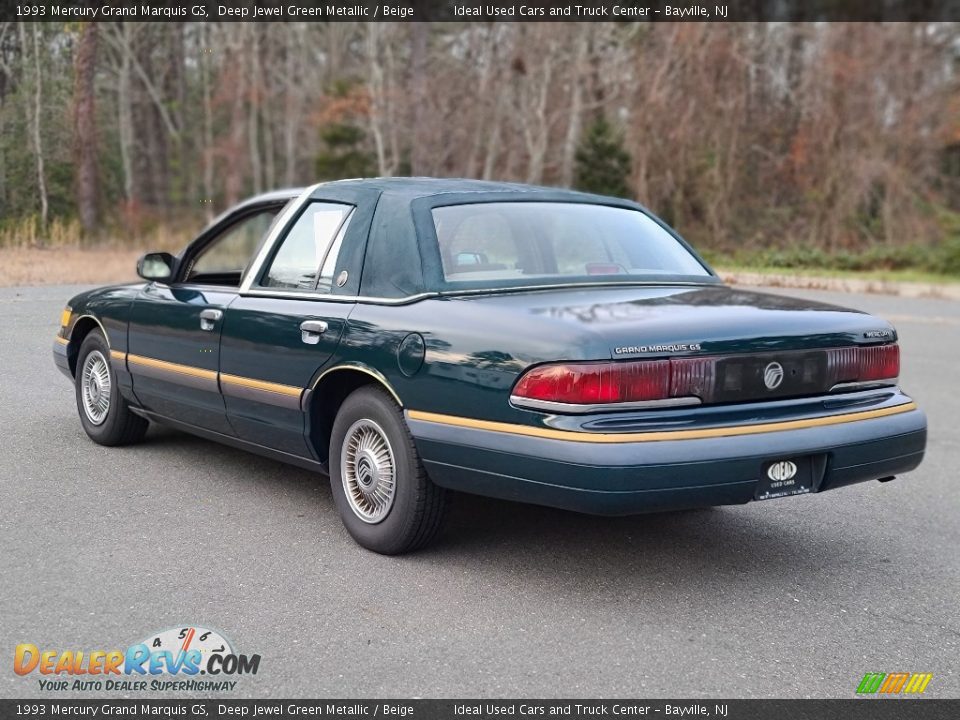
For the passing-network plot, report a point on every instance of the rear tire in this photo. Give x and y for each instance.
(104, 414)
(380, 487)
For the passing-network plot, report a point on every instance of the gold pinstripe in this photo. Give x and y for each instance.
(512, 428)
(277, 388)
(172, 367)
(652, 436)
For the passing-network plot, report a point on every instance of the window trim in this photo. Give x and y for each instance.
(426, 227)
(434, 280)
(195, 249)
(290, 210)
(263, 264)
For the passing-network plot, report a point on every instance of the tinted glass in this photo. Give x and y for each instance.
(325, 283)
(303, 251)
(533, 242)
(231, 252)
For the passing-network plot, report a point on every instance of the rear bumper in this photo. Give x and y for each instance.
(622, 478)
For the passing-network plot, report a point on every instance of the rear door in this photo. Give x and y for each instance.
(173, 346)
(288, 321)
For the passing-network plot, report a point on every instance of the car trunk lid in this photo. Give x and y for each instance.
(735, 345)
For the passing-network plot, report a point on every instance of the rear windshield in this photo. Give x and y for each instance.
(534, 243)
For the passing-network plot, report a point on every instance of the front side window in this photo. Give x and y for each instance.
(523, 243)
(224, 258)
(311, 244)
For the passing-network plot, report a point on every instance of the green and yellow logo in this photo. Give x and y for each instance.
(894, 683)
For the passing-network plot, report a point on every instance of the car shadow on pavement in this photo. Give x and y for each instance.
(711, 544)
(697, 550)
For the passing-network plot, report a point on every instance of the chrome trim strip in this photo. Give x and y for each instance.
(408, 299)
(326, 297)
(278, 228)
(577, 286)
(576, 409)
(375, 374)
(246, 282)
(73, 326)
(866, 385)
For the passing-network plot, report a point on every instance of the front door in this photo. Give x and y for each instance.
(287, 323)
(173, 345)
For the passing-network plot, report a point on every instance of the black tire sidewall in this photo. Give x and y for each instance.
(394, 533)
(111, 428)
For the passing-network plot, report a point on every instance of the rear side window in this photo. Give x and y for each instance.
(505, 244)
(311, 244)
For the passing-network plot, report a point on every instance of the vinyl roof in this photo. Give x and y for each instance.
(413, 187)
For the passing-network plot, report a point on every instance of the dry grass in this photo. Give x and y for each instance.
(66, 265)
(60, 255)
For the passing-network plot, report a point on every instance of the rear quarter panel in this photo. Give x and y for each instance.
(472, 355)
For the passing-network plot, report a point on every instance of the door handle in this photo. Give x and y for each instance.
(311, 330)
(209, 318)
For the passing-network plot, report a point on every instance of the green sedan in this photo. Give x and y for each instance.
(412, 337)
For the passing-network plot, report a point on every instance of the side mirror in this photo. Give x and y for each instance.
(156, 266)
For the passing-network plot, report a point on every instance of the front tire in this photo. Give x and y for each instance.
(104, 413)
(380, 487)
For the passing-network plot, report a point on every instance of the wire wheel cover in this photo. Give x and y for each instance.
(369, 471)
(95, 386)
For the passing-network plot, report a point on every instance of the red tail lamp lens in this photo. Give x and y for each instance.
(597, 383)
(880, 362)
(592, 383)
(863, 364)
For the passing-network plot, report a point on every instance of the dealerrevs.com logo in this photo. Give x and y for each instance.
(170, 660)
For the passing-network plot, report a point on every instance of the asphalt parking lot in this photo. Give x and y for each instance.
(100, 547)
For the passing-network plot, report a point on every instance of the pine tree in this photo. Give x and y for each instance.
(344, 154)
(602, 165)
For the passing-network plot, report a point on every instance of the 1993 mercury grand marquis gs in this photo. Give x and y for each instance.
(408, 337)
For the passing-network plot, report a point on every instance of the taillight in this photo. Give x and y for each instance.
(692, 378)
(879, 363)
(593, 383)
(863, 364)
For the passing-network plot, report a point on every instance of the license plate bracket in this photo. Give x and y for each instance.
(785, 477)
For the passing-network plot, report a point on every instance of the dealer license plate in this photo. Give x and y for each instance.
(785, 477)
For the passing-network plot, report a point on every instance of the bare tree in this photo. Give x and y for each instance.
(34, 108)
(85, 126)
(837, 136)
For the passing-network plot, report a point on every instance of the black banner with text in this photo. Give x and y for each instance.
(860, 709)
(489, 10)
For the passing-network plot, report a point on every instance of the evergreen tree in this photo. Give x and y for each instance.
(601, 164)
(344, 154)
